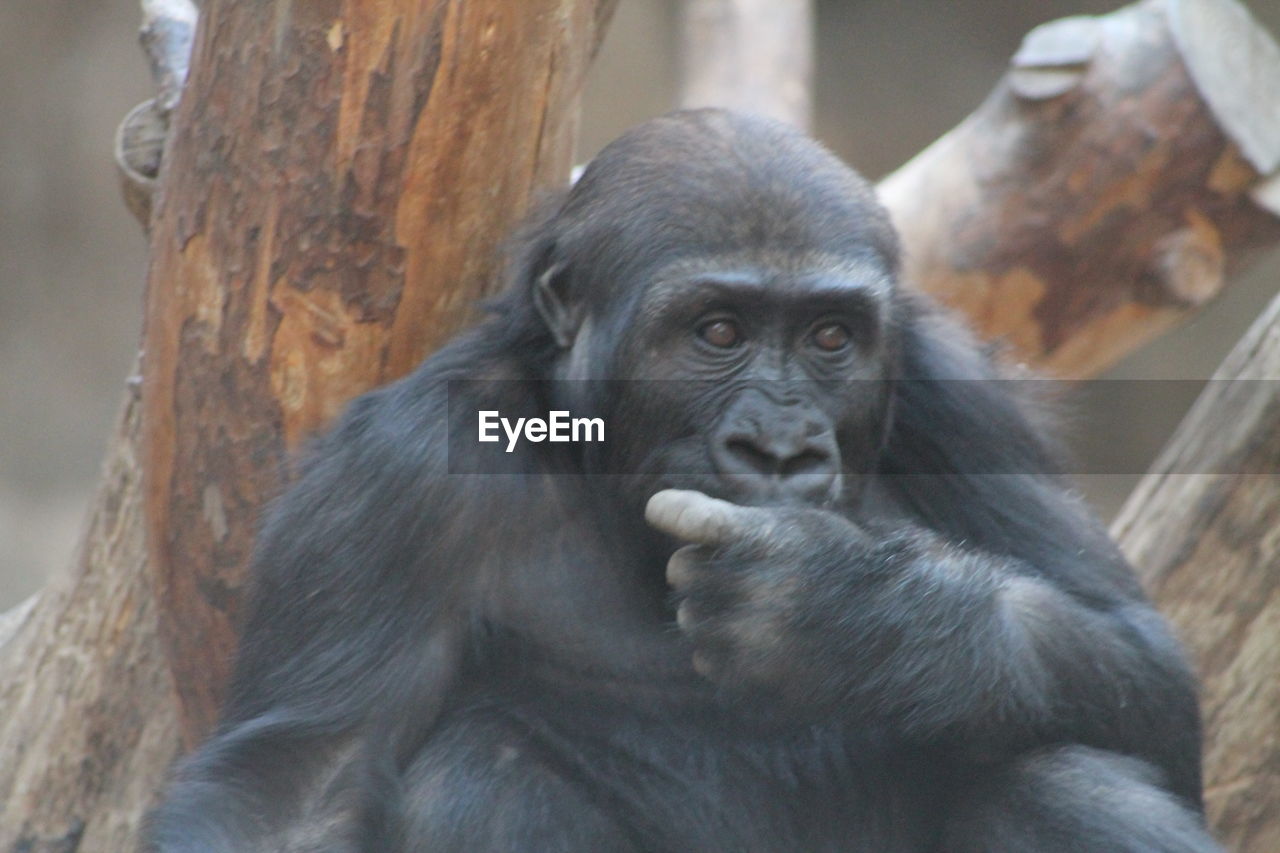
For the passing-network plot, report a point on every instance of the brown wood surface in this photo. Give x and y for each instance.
(88, 725)
(1204, 530)
(88, 721)
(1108, 187)
(337, 180)
(749, 55)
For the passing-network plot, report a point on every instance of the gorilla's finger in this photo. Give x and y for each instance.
(682, 566)
(684, 617)
(695, 517)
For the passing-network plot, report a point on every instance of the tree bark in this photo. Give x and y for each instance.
(1121, 171)
(750, 55)
(1204, 529)
(433, 123)
(87, 720)
(338, 178)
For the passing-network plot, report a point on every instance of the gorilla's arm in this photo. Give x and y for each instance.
(944, 642)
(354, 616)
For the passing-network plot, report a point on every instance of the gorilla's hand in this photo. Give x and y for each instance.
(822, 616)
(756, 588)
(889, 622)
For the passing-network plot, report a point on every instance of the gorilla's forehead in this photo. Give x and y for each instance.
(771, 272)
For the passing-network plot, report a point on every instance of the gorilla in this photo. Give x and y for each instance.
(823, 586)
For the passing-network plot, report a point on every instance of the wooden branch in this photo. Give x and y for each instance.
(1107, 188)
(749, 55)
(87, 722)
(1204, 529)
(336, 184)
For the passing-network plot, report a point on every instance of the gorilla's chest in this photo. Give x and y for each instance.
(702, 778)
(585, 608)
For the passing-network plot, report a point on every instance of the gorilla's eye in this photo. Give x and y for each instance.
(720, 333)
(831, 337)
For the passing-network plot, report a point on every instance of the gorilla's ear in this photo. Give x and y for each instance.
(551, 298)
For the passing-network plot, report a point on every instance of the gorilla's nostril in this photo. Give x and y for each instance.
(752, 456)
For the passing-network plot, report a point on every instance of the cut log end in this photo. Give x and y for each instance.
(1053, 57)
(138, 145)
(1235, 64)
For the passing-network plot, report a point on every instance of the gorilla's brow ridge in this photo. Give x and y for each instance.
(670, 282)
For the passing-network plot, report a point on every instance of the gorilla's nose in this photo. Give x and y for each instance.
(789, 451)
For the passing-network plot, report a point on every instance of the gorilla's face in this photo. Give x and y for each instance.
(741, 277)
(763, 380)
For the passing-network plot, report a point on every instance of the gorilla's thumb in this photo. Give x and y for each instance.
(695, 517)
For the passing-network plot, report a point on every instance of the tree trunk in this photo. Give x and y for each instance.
(1204, 529)
(338, 178)
(1110, 184)
(749, 55)
(332, 197)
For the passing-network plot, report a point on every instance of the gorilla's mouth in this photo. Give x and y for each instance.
(813, 489)
(743, 475)
(806, 462)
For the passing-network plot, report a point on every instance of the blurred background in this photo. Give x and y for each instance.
(891, 77)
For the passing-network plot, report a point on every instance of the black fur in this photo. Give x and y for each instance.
(926, 645)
